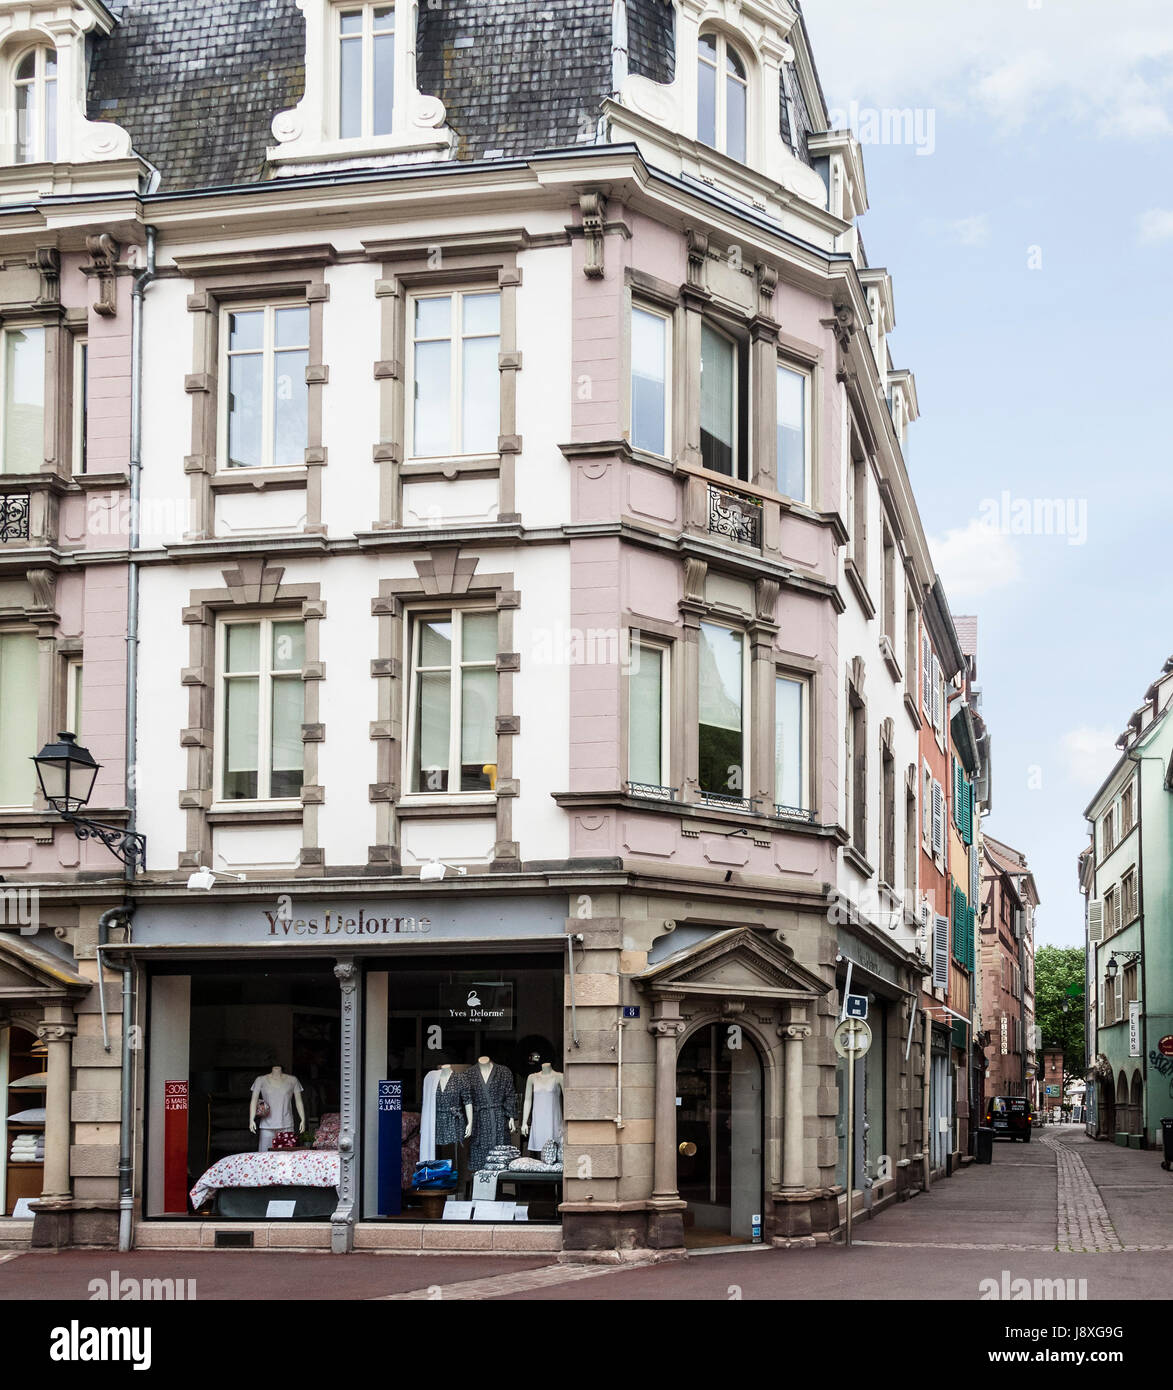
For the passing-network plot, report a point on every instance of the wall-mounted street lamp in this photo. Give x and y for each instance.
(1112, 969)
(66, 772)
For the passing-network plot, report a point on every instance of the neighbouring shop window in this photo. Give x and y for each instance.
(262, 700)
(366, 70)
(721, 735)
(18, 717)
(466, 1039)
(232, 1033)
(265, 421)
(453, 712)
(650, 376)
(455, 374)
(648, 752)
(23, 366)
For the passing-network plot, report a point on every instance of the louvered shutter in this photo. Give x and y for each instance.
(940, 952)
(967, 813)
(972, 937)
(938, 818)
(1119, 992)
(975, 884)
(1095, 920)
(926, 676)
(936, 697)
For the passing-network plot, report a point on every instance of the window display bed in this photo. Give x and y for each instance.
(312, 1173)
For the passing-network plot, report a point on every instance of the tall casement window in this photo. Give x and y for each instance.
(18, 717)
(81, 373)
(857, 494)
(1127, 816)
(794, 434)
(264, 419)
(73, 690)
(651, 341)
(261, 709)
(1109, 831)
(791, 741)
(722, 96)
(648, 721)
(35, 81)
(888, 585)
(453, 706)
(724, 387)
(856, 781)
(887, 814)
(22, 432)
(366, 70)
(454, 374)
(721, 742)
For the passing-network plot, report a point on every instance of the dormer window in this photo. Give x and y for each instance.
(366, 70)
(722, 96)
(35, 81)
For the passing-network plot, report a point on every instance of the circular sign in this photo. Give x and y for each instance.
(1165, 1046)
(852, 1038)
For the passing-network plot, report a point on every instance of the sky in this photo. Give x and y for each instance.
(1025, 212)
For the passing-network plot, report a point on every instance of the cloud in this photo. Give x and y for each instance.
(1156, 226)
(1007, 62)
(1090, 754)
(975, 560)
(968, 231)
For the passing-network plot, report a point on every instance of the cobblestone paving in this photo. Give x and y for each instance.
(1083, 1220)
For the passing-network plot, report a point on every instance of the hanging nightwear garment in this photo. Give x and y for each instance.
(494, 1103)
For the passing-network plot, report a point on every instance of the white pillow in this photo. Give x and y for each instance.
(28, 1117)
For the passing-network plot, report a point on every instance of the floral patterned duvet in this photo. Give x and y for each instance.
(295, 1168)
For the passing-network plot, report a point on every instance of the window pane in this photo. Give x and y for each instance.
(246, 331)
(432, 725)
(288, 646)
(649, 347)
(384, 17)
(384, 82)
(73, 697)
(436, 644)
(27, 68)
(645, 713)
(433, 399)
(240, 739)
(25, 116)
(735, 119)
(720, 741)
(50, 63)
(481, 408)
(50, 97)
(482, 314)
(350, 21)
(433, 317)
(792, 434)
(480, 637)
(288, 750)
(733, 64)
(789, 761)
(24, 404)
(291, 328)
(18, 717)
(349, 84)
(245, 375)
(706, 98)
(244, 647)
(478, 733)
(290, 408)
(717, 371)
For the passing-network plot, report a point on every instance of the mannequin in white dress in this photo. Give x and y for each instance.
(543, 1104)
(441, 1118)
(281, 1093)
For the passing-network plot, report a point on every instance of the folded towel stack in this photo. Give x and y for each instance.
(27, 1148)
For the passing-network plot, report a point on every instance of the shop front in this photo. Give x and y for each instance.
(349, 1073)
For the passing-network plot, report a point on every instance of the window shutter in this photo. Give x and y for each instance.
(967, 817)
(936, 698)
(971, 938)
(975, 883)
(926, 676)
(1100, 1011)
(1095, 920)
(1119, 990)
(938, 818)
(940, 952)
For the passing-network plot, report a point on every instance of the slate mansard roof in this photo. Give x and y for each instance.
(197, 82)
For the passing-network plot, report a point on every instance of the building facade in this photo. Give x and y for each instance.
(1007, 925)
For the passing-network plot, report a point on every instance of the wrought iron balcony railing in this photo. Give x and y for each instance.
(735, 515)
(14, 516)
(649, 791)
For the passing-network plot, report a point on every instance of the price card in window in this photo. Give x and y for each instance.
(494, 1211)
(521, 1214)
(279, 1211)
(458, 1211)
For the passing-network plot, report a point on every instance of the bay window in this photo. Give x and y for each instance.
(648, 721)
(366, 70)
(454, 373)
(265, 419)
(23, 368)
(722, 741)
(793, 433)
(453, 702)
(722, 96)
(18, 717)
(650, 378)
(261, 708)
(791, 741)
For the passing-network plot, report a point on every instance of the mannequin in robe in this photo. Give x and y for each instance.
(442, 1119)
(543, 1104)
(490, 1108)
(281, 1093)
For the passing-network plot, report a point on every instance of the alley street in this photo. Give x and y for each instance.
(1059, 1208)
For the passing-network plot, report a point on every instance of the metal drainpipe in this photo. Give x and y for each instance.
(126, 1110)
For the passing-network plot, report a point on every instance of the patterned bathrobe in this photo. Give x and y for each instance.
(494, 1104)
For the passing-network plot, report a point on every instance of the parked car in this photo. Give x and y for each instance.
(1010, 1117)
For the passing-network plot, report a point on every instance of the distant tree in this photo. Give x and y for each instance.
(1057, 969)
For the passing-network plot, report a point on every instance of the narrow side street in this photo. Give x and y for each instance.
(1060, 1208)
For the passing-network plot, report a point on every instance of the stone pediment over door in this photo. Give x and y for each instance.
(29, 975)
(740, 963)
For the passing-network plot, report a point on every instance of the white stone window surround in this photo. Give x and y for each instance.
(63, 25)
(758, 30)
(307, 134)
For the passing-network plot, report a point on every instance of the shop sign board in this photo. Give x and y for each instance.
(390, 1147)
(1134, 1028)
(1165, 1046)
(487, 1006)
(857, 1006)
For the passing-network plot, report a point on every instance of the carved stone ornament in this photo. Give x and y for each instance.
(593, 208)
(103, 251)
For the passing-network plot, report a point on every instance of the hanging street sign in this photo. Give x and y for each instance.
(857, 1006)
(852, 1038)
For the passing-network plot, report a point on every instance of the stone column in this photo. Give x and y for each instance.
(666, 1027)
(793, 1167)
(57, 1033)
(346, 1213)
